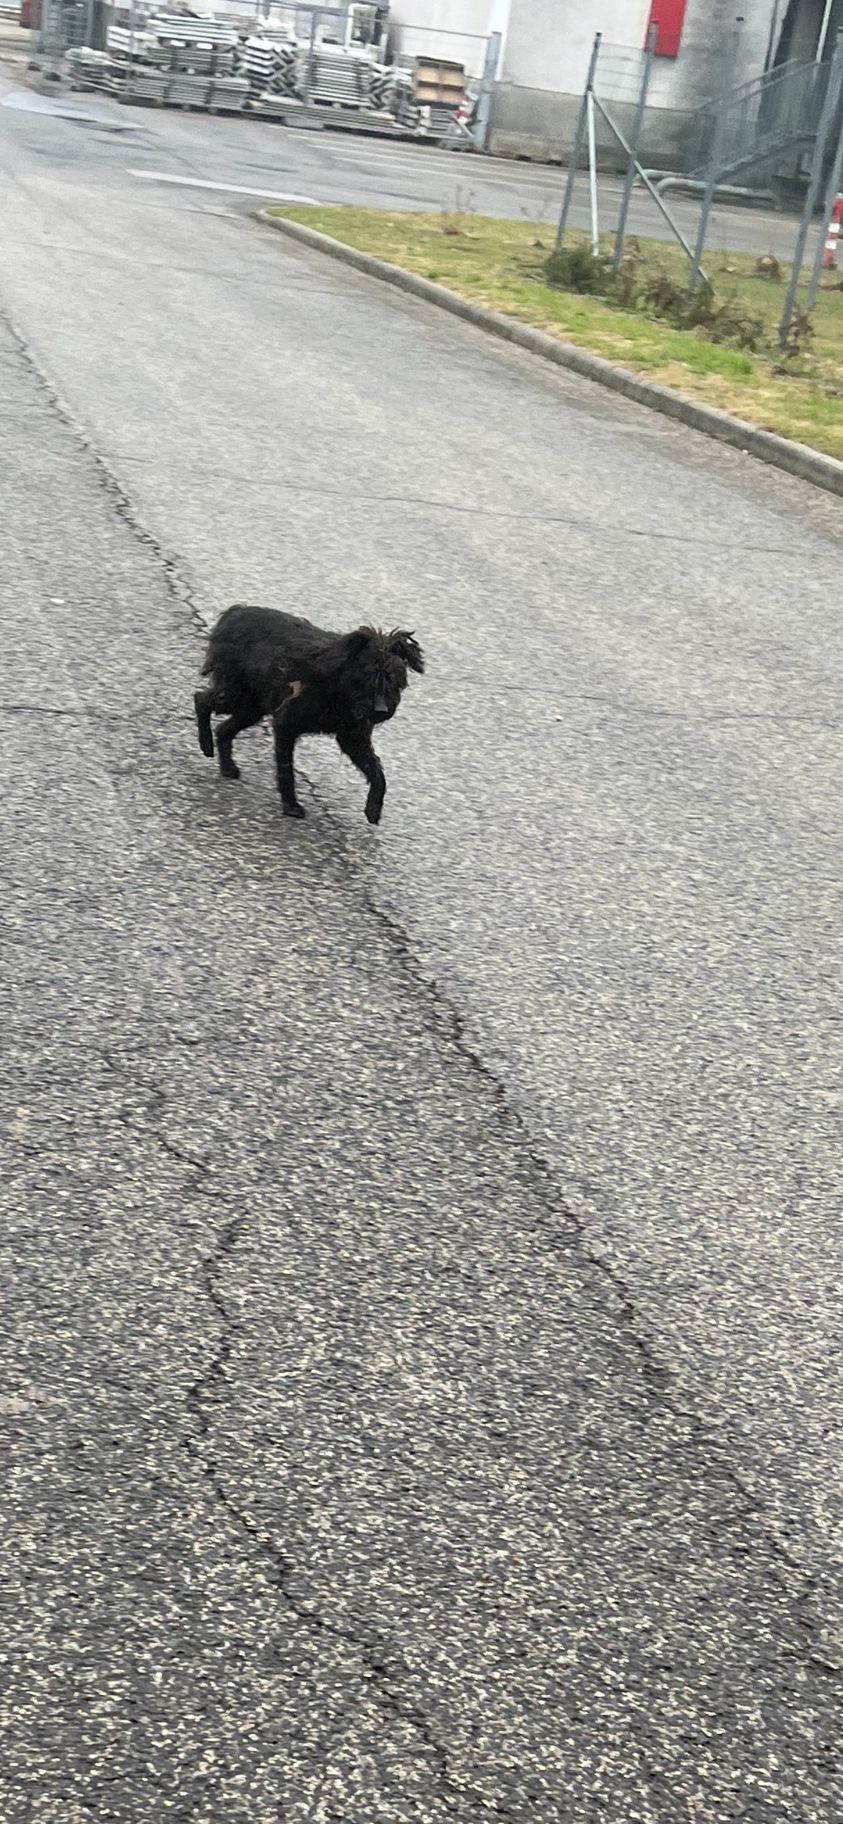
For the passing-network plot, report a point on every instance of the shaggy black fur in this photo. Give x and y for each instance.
(262, 663)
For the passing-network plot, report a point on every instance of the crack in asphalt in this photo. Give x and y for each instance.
(553, 1212)
(380, 1667)
(80, 712)
(371, 1650)
(177, 583)
(575, 522)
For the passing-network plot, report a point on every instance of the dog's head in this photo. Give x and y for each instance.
(370, 669)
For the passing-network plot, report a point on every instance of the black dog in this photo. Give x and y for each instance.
(262, 663)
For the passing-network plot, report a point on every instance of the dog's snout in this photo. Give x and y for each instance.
(381, 706)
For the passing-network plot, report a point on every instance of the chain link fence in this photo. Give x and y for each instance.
(789, 120)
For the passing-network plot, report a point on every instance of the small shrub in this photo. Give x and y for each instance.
(653, 290)
(578, 269)
(720, 321)
(768, 267)
(627, 278)
(728, 323)
(453, 221)
(665, 298)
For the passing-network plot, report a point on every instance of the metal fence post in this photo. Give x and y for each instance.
(483, 117)
(707, 197)
(830, 200)
(592, 177)
(582, 120)
(311, 58)
(829, 110)
(634, 140)
(824, 25)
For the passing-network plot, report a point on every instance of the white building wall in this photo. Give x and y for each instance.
(456, 29)
(549, 41)
(546, 59)
(546, 47)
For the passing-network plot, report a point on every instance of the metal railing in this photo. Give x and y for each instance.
(752, 127)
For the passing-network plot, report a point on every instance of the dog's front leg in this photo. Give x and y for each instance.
(358, 747)
(287, 727)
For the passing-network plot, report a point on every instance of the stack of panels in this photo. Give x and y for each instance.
(435, 119)
(337, 76)
(138, 81)
(229, 92)
(175, 26)
(402, 105)
(85, 65)
(180, 44)
(123, 43)
(186, 91)
(260, 64)
(270, 67)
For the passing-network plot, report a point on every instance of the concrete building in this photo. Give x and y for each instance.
(456, 29)
(703, 47)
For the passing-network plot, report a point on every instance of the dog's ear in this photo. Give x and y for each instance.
(355, 643)
(406, 647)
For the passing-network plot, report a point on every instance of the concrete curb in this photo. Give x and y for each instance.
(794, 458)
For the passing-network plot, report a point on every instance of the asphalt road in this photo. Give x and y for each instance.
(421, 1334)
(254, 159)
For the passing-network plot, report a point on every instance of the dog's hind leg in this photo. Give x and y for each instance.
(287, 726)
(245, 718)
(358, 748)
(204, 702)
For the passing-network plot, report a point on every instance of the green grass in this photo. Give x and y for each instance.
(499, 264)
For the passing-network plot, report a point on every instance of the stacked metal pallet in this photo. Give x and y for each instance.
(87, 69)
(270, 65)
(200, 43)
(434, 119)
(173, 60)
(331, 76)
(195, 45)
(177, 61)
(392, 93)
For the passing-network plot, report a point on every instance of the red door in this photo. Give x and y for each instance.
(669, 17)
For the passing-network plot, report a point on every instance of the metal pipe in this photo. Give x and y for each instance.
(629, 180)
(830, 200)
(650, 188)
(826, 21)
(832, 97)
(578, 139)
(770, 58)
(311, 58)
(483, 115)
(707, 198)
(592, 177)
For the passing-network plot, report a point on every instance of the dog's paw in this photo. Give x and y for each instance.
(206, 742)
(374, 809)
(231, 771)
(292, 810)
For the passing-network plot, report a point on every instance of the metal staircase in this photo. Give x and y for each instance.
(758, 131)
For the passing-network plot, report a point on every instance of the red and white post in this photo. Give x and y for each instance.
(833, 236)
